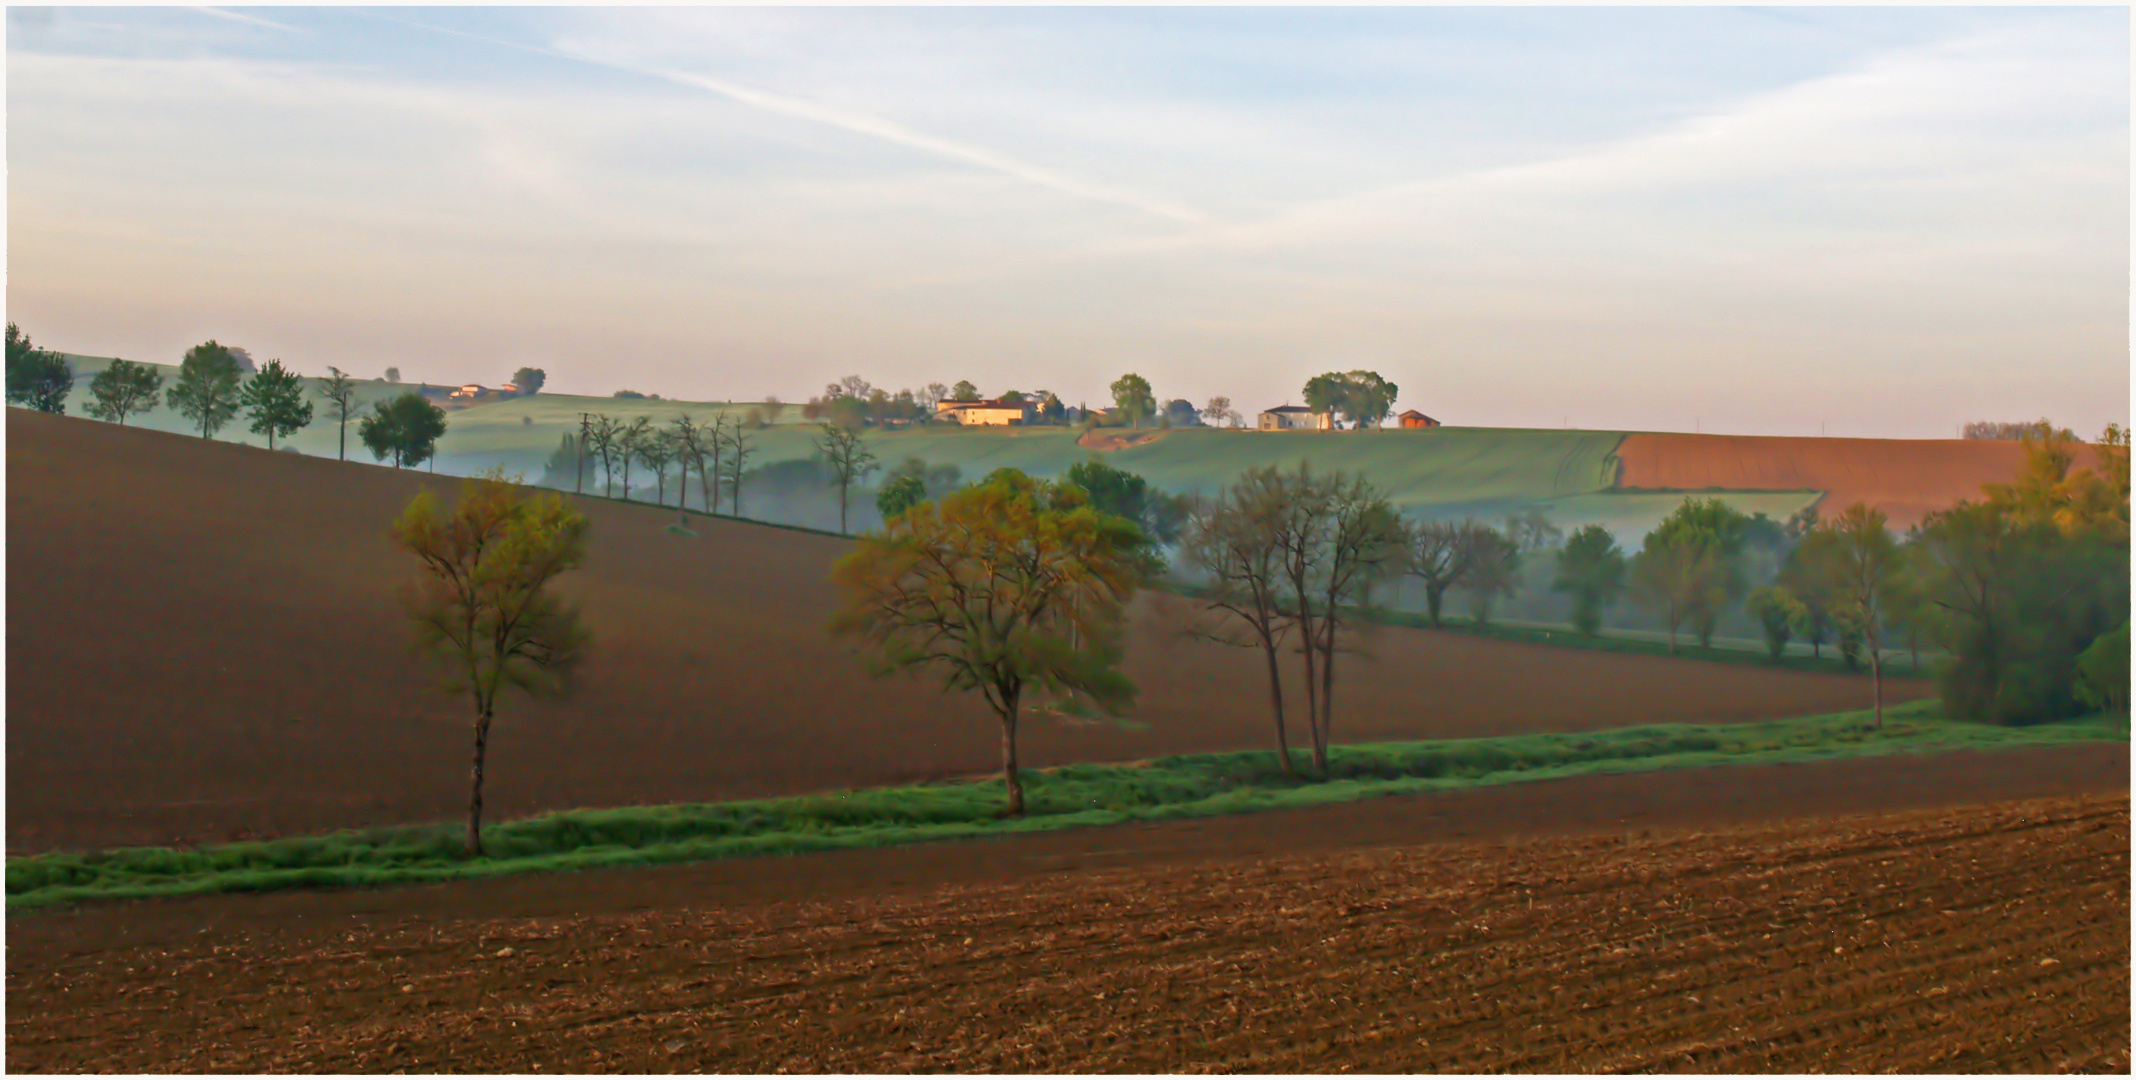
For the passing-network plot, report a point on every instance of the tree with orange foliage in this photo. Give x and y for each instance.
(483, 608)
(1006, 587)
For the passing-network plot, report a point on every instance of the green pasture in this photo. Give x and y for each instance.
(1077, 796)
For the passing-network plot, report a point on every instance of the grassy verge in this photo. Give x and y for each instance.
(1068, 797)
(1686, 649)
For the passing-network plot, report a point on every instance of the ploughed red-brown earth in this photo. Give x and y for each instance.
(1720, 920)
(205, 642)
(1905, 478)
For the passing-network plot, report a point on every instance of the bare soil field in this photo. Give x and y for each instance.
(1905, 478)
(1958, 939)
(205, 643)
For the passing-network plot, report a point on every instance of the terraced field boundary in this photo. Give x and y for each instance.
(1068, 797)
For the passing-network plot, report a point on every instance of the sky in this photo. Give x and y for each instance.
(1787, 221)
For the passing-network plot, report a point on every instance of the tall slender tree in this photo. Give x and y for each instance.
(1234, 539)
(841, 449)
(207, 387)
(275, 398)
(738, 448)
(1863, 566)
(482, 607)
(339, 391)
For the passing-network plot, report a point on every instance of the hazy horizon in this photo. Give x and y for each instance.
(1872, 222)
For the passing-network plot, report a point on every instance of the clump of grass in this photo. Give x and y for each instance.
(1066, 797)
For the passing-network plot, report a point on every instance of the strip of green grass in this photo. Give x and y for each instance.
(1068, 797)
(1687, 649)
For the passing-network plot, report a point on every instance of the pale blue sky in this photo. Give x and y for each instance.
(1751, 220)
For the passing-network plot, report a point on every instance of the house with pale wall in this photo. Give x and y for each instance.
(1295, 418)
(985, 411)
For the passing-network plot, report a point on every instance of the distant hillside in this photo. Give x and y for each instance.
(1625, 483)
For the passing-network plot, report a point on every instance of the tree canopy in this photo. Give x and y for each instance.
(1132, 394)
(275, 397)
(482, 607)
(206, 390)
(529, 380)
(37, 378)
(124, 389)
(406, 429)
(1361, 397)
(1010, 587)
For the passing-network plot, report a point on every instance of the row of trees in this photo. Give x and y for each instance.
(719, 451)
(212, 387)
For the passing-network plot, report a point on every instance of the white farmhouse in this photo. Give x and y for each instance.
(985, 411)
(1295, 418)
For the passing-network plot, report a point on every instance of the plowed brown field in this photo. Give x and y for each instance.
(1905, 478)
(1987, 938)
(205, 643)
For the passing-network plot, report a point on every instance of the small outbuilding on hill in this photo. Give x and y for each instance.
(1415, 419)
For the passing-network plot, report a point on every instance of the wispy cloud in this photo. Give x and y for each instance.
(893, 132)
(251, 20)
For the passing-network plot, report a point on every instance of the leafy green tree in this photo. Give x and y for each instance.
(1494, 571)
(1689, 567)
(2103, 672)
(529, 380)
(206, 391)
(482, 607)
(1008, 587)
(339, 390)
(1132, 394)
(275, 398)
(1778, 614)
(37, 378)
(963, 391)
(841, 449)
(1122, 493)
(1856, 555)
(123, 389)
(1591, 570)
(406, 428)
(899, 495)
(1361, 397)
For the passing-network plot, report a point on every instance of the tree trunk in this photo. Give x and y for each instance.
(474, 797)
(1433, 595)
(1322, 730)
(841, 506)
(1009, 774)
(1275, 699)
(1312, 684)
(270, 437)
(1876, 677)
(344, 438)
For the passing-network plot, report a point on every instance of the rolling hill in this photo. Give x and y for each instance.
(205, 642)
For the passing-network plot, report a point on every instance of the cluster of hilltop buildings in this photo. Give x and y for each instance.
(994, 411)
